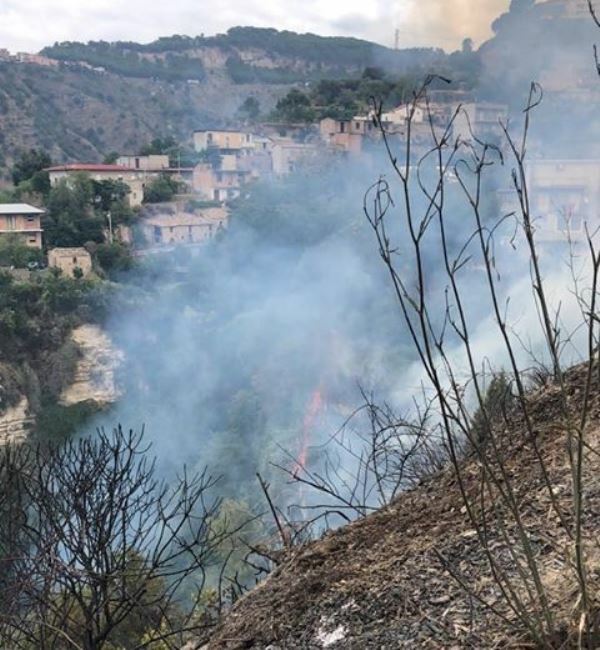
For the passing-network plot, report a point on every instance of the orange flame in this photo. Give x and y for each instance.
(313, 411)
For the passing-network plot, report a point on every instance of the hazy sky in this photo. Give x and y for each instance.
(30, 24)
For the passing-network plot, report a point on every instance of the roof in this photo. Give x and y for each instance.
(179, 220)
(19, 208)
(68, 251)
(89, 167)
(222, 131)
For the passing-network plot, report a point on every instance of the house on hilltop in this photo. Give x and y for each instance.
(22, 220)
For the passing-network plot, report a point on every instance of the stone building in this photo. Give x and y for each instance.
(68, 260)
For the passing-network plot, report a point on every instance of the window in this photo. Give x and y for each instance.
(74, 260)
(157, 234)
(32, 240)
(357, 126)
(137, 163)
(30, 219)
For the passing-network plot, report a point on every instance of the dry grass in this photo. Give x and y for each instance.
(380, 582)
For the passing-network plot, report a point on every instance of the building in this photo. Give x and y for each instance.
(71, 261)
(399, 115)
(221, 184)
(288, 155)
(134, 179)
(36, 59)
(564, 196)
(480, 119)
(152, 162)
(22, 220)
(170, 227)
(346, 135)
(232, 141)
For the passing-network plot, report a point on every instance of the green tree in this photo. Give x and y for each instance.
(158, 146)
(160, 190)
(250, 109)
(295, 107)
(374, 73)
(30, 163)
(114, 258)
(14, 252)
(71, 220)
(111, 158)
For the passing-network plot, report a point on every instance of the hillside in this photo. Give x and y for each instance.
(380, 582)
(248, 54)
(78, 114)
(99, 97)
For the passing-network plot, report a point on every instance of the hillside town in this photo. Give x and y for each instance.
(226, 162)
(232, 159)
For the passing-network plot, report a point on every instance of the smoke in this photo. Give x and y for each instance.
(424, 23)
(228, 343)
(251, 350)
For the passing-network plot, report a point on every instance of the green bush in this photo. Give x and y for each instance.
(15, 253)
(160, 190)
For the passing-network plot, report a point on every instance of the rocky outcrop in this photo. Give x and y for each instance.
(95, 377)
(15, 422)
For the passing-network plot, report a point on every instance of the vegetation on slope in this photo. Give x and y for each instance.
(175, 57)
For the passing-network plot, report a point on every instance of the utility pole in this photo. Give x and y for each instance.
(110, 228)
(397, 40)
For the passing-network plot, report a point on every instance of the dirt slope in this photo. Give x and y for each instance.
(381, 582)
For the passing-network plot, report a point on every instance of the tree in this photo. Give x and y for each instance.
(158, 146)
(250, 109)
(71, 220)
(160, 190)
(29, 163)
(114, 258)
(14, 252)
(374, 73)
(108, 551)
(111, 158)
(295, 107)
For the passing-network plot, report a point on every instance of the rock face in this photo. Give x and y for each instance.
(95, 377)
(15, 423)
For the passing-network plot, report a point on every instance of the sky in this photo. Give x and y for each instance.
(30, 25)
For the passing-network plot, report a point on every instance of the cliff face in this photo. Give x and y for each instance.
(15, 423)
(94, 381)
(95, 376)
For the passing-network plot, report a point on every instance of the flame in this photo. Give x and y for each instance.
(311, 417)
